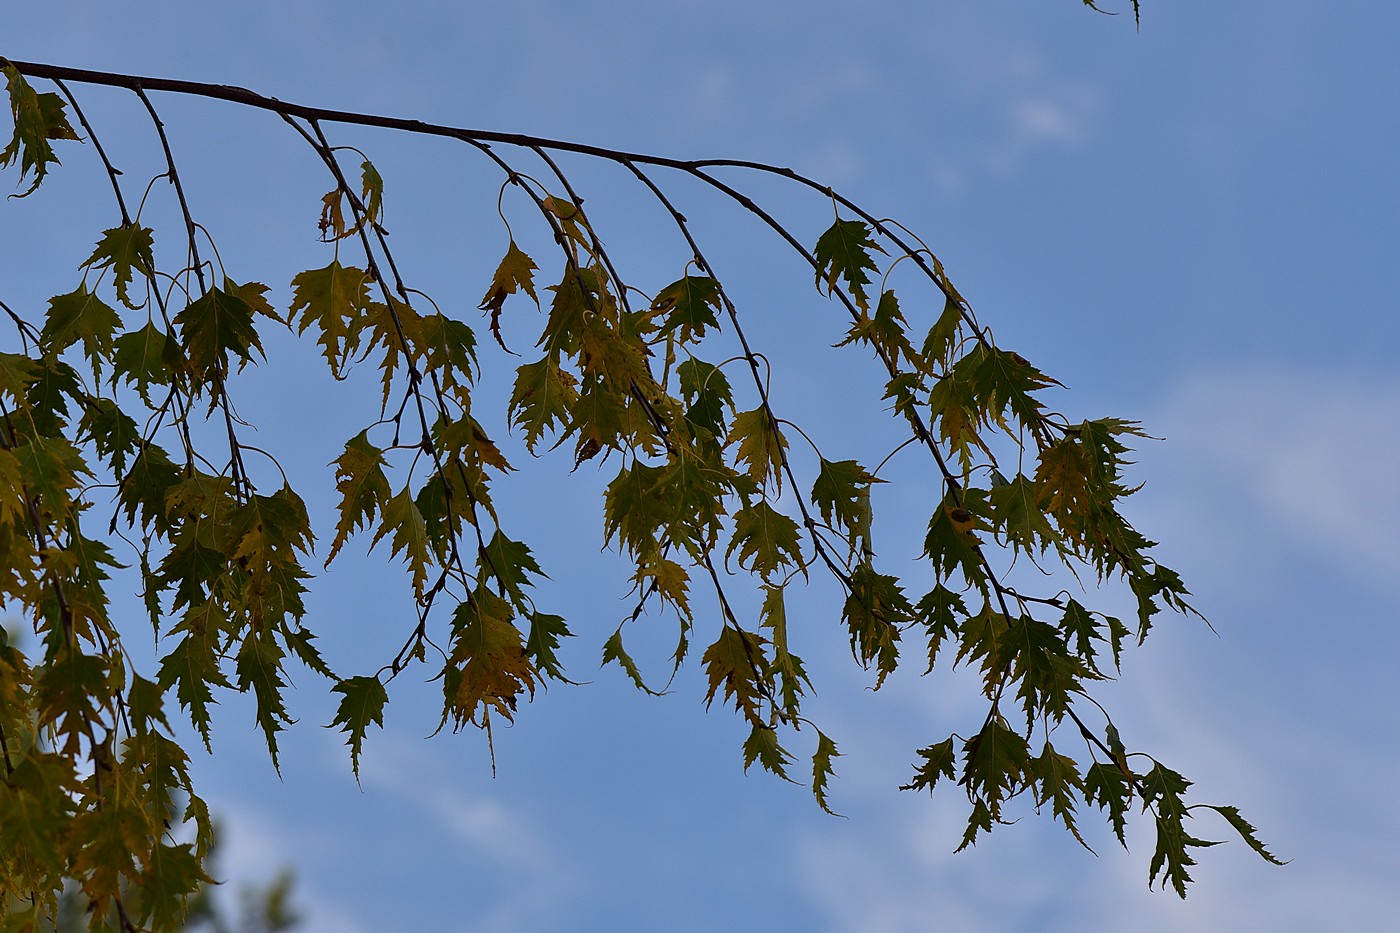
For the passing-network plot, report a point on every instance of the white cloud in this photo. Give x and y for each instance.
(1037, 119)
(1051, 114)
(252, 851)
(535, 881)
(1312, 457)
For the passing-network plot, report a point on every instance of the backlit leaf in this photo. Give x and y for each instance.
(81, 316)
(762, 746)
(765, 538)
(688, 307)
(515, 273)
(38, 119)
(128, 251)
(362, 703)
(761, 444)
(214, 326)
(843, 255)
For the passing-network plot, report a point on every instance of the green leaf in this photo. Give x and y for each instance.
(689, 305)
(1000, 380)
(214, 326)
(980, 820)
(614, 652)
(1107, 786)
(49, 468)
(259, 668)
(960, 416)
(708, 393)
(450, 348)
(1057, 782)
(875, 609)
(791, 675)
(942, 338)
(822, 770)
(843, 253)
(192, 668)
(80, 315)
(53, 386)
(765, 538)
(842, 494)
(951, 548)
(1038, 661)
(1246, 831)
(362, 702)
(940, 611)
(363, 487)
(143, 491)
(17, 372)
(762, 746)
(939, 762)
(254, 295)
(142, 358)
(511, 564)
(1079, 623)
(114, 435)
(542, 644)
(410, 536)
(567, 312)
(301, 642)
(1017, 515)
(128, 251)
(995, 761)
(632, 512)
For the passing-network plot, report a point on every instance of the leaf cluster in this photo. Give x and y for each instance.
(121, 402)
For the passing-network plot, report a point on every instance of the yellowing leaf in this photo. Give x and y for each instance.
(615, 653)
(38, 119)
(371, 192)
(363, 488)
(487, 670)
(761, 445)
(884, 331)
(541, 400)
(688, 306)
(515, 273)
(736, 662)
(336, 299)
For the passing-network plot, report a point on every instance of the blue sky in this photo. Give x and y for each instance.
(1193, 224)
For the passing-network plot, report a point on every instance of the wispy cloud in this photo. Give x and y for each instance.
(1016, 107)
(534, 878)
(251, 852)
(1313, 457)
